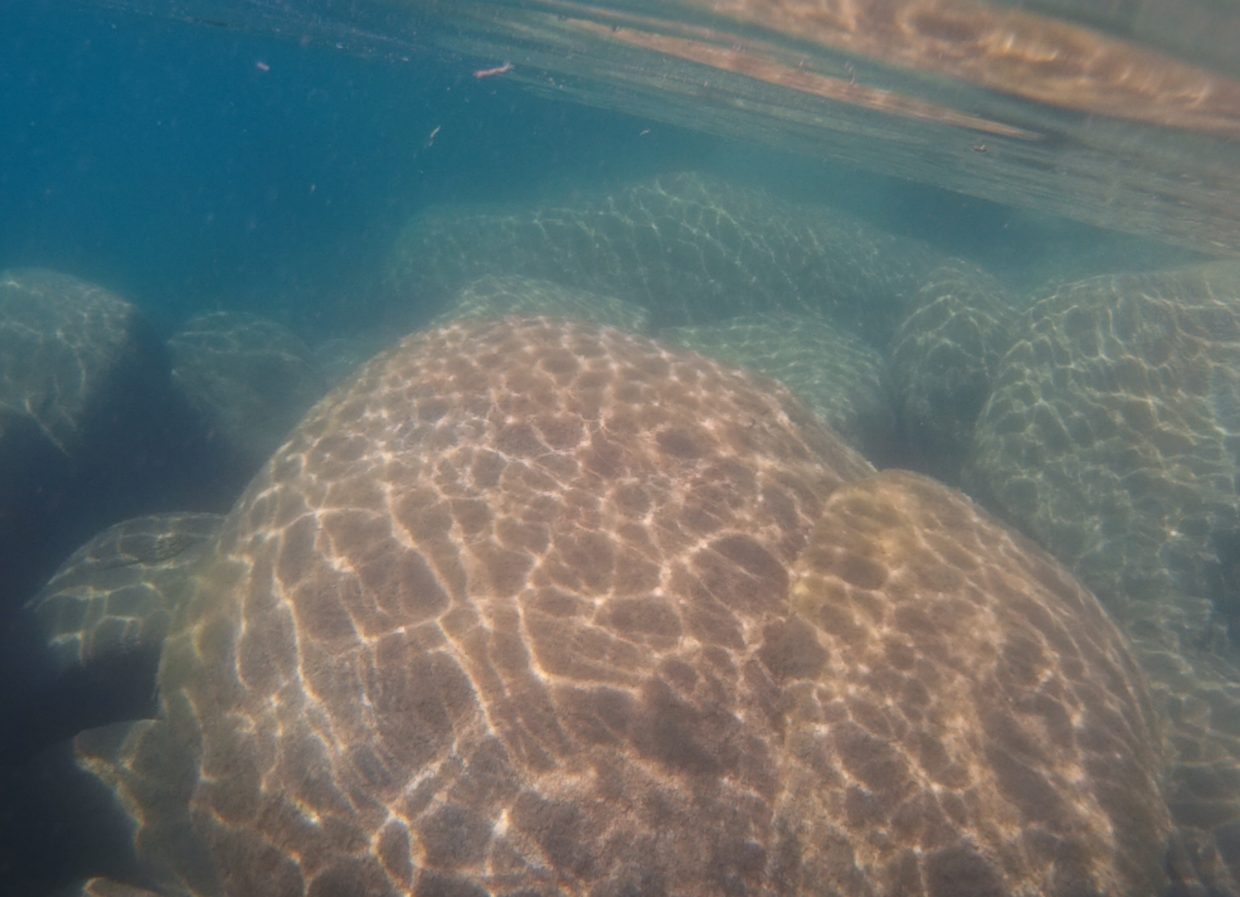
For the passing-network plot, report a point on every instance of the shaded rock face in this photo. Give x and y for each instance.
(543, 609)
(1112, 435)
(689, 248)
(89, 431)
(838, 375)
(1198, 692)
(943, 358)
(249, 380)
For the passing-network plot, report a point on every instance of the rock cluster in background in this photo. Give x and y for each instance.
(689, 248)
(507, 548)
(1112, 432)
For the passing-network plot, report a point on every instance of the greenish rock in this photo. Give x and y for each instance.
(499, 296)
(249, 380)
(689, 248)
(943, 358)
(838, 375)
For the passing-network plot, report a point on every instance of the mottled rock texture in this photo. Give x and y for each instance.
(964, 718)
(838, 375)
(943, 359)
(690, 248)
(88, 426)
(1112, 434)
(538, 608)
(249, 380)
(501, 295)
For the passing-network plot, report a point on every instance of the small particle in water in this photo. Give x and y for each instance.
(980, 148)
(430, 141)
(262, 66)
(643, 132)
(492, 72)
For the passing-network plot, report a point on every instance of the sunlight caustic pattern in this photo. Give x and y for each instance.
(526, 603)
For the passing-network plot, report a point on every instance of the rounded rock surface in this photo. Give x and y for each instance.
(481, 623)
(966, 720)
(539, 608)
(118, 592)
(837, 374)
(1112, 435)
(943, 358)
(249, 380)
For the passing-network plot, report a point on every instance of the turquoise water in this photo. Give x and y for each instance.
(244, 568)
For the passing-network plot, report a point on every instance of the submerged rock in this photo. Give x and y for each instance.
(965, 719)
(533, 607)
(689, 248)
(249, 380)
(87, 645)
(1110, 434)
(1112, 437)
(943, 360)
(117, 593)
(838, 375)
(497, 296)
(89, 429)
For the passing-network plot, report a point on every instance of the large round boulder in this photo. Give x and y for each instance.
(540, 608)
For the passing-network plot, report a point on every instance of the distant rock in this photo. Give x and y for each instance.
(1112, 433)
(248, 380)
(943, 359)
(839, 376)
(89, 429)
(502, 295)
(689, 248)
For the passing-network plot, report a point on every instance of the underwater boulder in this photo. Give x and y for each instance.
(943, 358)
(89, 428)
(838, 375)
(249, 380)
(689, 247)
(503, 295)
(117, 593)
(86, 647)
(1112, 435)
(964, 719)
(533, 607)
